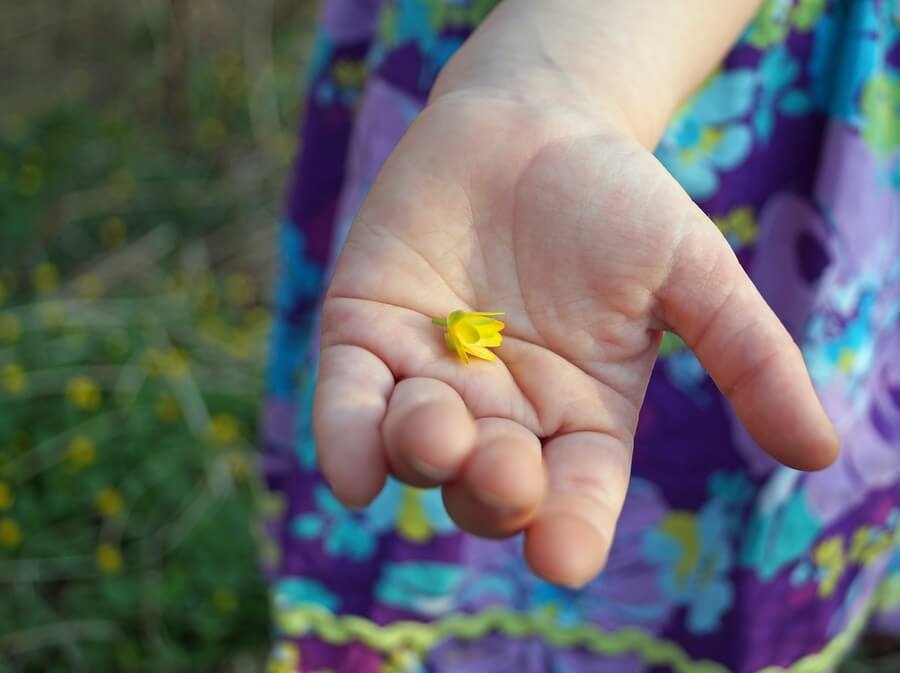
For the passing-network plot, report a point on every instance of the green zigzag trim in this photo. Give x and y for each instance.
(422, 636)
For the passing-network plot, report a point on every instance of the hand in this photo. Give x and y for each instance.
(591, 249)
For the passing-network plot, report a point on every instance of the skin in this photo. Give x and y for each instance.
(527, 186)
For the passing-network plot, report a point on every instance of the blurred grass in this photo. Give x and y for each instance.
(143, 150)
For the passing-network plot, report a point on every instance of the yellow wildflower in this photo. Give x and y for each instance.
(10, 533)
(52, 314)
(121, 186)
(257, 318)
(110, 503)
(238, 464)
(211, 133)
(109, 558)
(14, 378)
(240, 289)
(270, 554)
(170, 363)
(239, 343)
(167, 409)
(271, 504)
(112, 232)
(225, 600)
(472, 333)
(89, 287)
(84, 393)
(7, 497)
(45, 277)
(81, 451)
(29, 180)
(10, 328)
(223, 429)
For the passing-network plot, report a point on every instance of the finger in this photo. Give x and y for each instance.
(428, 432)
(568, 543)
(503, 482)
(713, 305)
(351, 401)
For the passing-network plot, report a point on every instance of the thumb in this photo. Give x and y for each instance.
(711, 303)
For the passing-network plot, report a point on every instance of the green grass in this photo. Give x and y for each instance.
(139, 188)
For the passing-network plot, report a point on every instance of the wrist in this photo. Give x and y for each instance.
(532, 53)
(615, 60)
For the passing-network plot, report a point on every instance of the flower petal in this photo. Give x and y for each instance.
(479, 322)
(490, 338)
(457, 346)
(480, 352)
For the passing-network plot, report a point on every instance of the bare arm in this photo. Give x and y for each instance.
(632, 61)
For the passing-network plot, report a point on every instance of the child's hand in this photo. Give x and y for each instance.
(591, 249)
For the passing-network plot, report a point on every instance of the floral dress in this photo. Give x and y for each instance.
(724, 562)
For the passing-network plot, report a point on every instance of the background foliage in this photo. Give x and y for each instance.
(143, 149)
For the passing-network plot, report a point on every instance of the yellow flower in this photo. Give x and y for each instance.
(109, 558)
(223, 429)
(45, 277)
(109, 503)
(7, 497)
(170, 363)
(211, 133)
(472, 333)
(84, 393)
(14, 378)
(10, 533)
(112, 232)
(10, 328)
(270, 554)
(52, 314)
(225, 600)
(121, 186)
(240, 289)
(81, 451)
(239, 343)
(238, 464)
(29, 180)
(257, 318)
(167, 408)
(89, 287)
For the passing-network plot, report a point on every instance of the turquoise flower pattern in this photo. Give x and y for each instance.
(711, 135)
(344, 533)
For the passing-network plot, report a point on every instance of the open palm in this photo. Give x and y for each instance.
(591, 250)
